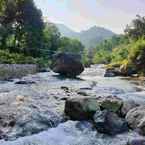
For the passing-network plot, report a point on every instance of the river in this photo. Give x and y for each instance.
(38, 108)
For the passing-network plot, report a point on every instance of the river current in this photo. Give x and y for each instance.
(93, 82)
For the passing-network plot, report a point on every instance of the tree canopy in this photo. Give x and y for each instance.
(21, 26)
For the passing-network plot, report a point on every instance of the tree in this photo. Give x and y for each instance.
(51, 39)
(70, 45)
(25, 22)
(137, 55)
(137, 28)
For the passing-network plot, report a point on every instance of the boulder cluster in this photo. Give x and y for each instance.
(110, 115)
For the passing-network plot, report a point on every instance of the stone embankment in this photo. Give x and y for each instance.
(9, 71)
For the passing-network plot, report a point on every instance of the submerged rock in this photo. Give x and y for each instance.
(136, 119)
(67, 64)
(109, 123)
(25, 82)
(81, 108)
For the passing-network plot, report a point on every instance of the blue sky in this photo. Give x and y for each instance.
(82, 14)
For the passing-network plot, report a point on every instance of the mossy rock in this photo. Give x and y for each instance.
(81, 108)
(111, 103)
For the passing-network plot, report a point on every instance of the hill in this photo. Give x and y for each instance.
(89, 37)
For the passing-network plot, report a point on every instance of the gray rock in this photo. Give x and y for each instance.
(127, 106)
(136, 119)
(81, 108)
(24, 82)
(112, 72)
(109, 123)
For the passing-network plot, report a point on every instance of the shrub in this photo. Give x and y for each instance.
(137, 55)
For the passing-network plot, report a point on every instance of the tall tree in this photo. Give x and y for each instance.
(137, 28)
(25, 21)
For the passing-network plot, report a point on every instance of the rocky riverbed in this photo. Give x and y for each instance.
(32, 108)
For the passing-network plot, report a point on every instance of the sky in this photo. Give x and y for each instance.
(82, 14)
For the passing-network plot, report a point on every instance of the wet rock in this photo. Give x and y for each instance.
(2, 135)
(67, 64)
(66, 89)
(25, 82)
(127, 70)
(81, 108)
(112, 72)
(123, 70)
(109, 123)
(44, 69)
(32, 124)
(63, 98)
(136, 142)
(111, 103)
(136, 119)
(127, 106)
(82, 93)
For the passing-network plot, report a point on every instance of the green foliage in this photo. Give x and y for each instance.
(136, 29)
(85, 58)
(51, 39)
(14, 58)
(70, 45)
(119, 53)
(103, 51)
(43, 62)
(131, 55)
(21, 25)
(137, 55)
(102, 57)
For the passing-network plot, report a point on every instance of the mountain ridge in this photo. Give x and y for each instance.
(90, 37)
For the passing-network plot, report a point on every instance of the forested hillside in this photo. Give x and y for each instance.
(126, 50)
(89, 38)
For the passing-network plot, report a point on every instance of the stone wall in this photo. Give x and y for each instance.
(9, 71)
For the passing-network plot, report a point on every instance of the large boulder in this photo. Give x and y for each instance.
(111, 103)
(81, 108)
(109, 123)
(67, 64)
(136, 119)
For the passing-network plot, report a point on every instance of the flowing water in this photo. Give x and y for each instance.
(47, 95)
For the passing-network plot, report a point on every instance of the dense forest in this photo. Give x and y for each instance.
(26, 38)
